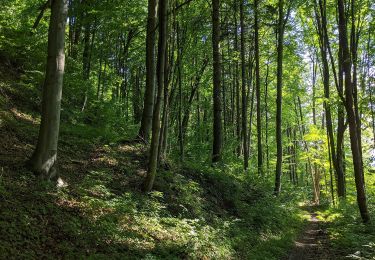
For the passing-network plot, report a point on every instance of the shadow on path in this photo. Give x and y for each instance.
(313, 242)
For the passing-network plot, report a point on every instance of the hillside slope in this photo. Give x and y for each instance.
(97, 209)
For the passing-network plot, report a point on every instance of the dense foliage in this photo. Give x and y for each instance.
(272, 65)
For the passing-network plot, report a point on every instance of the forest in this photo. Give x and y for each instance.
(187, 129)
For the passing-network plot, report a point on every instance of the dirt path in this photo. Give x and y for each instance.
(313, 243)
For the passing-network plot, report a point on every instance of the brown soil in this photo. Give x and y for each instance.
(313, 243)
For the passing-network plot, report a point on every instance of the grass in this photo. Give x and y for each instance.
(348, 235)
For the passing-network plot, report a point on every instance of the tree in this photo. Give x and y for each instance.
(280, 48)
(257, 88)
(243, 87)
(321, 21)
(44, 158)
(350, 105)
(146, 121)
(217, 124)
(162, 45)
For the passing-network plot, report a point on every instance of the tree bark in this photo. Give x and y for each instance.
(43, 160)
(257, 88)
(162, 44)
(148, 106)
(352, 119)
(217, 123)
(266, 116)
(243, 87)
(324, 46)
(279, 142)
(237, 86)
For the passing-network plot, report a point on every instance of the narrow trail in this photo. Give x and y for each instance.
(313, 243)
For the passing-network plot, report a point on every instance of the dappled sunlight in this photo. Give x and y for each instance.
(106, 160)
(187, 129)
(61, 183)
(25, 117)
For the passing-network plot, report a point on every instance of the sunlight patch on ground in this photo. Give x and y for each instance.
(70, 203)
(61, 183)
(23, 116)
(107, 160)
(268, 236)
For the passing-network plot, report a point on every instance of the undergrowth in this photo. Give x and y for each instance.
(348, 234)
(99, 212)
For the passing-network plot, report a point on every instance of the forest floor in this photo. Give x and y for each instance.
(99, 211)
(313, 243)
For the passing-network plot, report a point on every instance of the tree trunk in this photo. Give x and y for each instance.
(340, 131)
(217, 124)
(352, 119)
(324, 46)
(243, 86)
(148, 106)
(237, 87)
(137, 98)
(257, 88)
(279, 142)
(43, 160)
(179, 75)
(86, 66)
(266, 117)
(185, 120)
(162, 44)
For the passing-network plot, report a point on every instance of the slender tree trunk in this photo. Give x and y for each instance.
(370, 89)
(266, 117)
(152, 164)
(180, 130)
(289, 154)
(237, 86)
(339, 160)
(330, 169)
(352, 119)
(308, 165)
(71, 26)
(217, 124)
(104, 77)
(279, 141)
(324, 47)
(340, 131)
(314, 68)
(224, 98)
(86, 63)
(354, 55)
(137, 98)
(164, 122)
(168, 95)
(243, 86)
(43, 160)
(251, 100)
(185, 120)
(42, 9)
(99, 74)
(257, 88)
(295, 154)
(148, 106)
